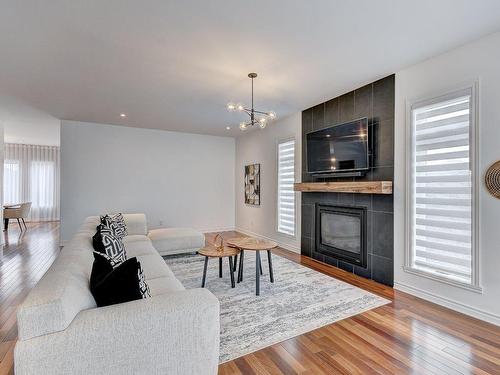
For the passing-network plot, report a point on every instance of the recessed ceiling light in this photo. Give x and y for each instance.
(123, 115)
(228, 128)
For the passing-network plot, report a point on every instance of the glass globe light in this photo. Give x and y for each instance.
(262, 125)
(272, 115)
(240, 107)
(231, 107)
(243, 126)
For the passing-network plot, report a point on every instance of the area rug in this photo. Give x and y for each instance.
(300, 300)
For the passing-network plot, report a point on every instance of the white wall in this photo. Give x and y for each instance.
(177, 179)
(26, 124)
(260, 146)
(478, 60)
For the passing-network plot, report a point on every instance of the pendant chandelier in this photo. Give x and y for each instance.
(256, 117)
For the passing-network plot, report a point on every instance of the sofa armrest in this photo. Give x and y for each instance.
(176, 333)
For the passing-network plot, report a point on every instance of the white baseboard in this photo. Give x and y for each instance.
(214, 230)
(449, 303)
(295, 249)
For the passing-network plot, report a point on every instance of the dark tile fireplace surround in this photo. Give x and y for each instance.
(357, 228)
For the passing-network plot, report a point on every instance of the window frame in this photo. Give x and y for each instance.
(473, 87)
(278, 142)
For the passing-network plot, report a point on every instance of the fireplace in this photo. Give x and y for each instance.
(341, 233)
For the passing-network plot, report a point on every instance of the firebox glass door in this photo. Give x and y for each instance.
(341, 231)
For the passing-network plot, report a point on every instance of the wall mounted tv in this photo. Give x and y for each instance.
(339, 148)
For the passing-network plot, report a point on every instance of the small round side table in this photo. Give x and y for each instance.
(213, 252)
(256, 245)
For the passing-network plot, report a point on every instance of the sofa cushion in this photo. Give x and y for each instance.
(136, 224)
(154, 266)
(176, 240)
(162, 285)
(139, 246)
(135, 238)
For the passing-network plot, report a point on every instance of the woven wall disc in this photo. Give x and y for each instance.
(492, 179)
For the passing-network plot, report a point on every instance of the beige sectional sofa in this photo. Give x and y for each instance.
(61, 331)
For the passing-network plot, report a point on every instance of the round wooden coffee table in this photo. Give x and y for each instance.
(257, 245)
(213, 252)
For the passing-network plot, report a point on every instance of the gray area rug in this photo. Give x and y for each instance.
(300, 300)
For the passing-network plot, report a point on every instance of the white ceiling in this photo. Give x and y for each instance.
(175, 64)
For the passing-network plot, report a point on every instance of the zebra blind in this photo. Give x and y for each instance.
(441, 199)
(286, 195)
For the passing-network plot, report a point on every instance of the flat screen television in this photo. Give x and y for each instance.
(339, 148)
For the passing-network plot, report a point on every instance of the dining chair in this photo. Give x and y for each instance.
(20, 213)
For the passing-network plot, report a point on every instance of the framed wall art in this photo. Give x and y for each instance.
(252, 184)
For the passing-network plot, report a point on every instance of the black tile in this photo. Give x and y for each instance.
(305, 246)
(383, 202)
(307, 220)
(331, 261)
(383, 98)
(365, 272)
(346, 104)
(318, 256)
(383, 234)
(346, 199)
(323, 198)
(383, 270)
(369, 232)
(318, 116)
(307, 120)
(309, 198)
(381, 174)
(346, 266)
(330, 198)
(332, 112)
(363, 200)
(363, 102)
(383, 143)
(340, 179)
(306, 177)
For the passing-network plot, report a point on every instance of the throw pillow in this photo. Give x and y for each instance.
(100, 269)
(119, 227)
(108, 245)
(120, 284)
(143, 286)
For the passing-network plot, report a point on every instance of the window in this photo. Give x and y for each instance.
(441, 191)
(31, 174)
(42, 181)
(12, 178)
(286, 195)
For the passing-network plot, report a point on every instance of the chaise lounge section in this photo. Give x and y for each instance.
(61, 331)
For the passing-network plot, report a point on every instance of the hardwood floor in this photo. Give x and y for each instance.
(407, 336)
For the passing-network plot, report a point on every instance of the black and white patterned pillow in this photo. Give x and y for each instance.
(143, 286)
(108, 245)
(119, 227)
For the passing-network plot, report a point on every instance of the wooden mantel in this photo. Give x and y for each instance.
(360, 187)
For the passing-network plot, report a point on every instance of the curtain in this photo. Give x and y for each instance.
(31, 174)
